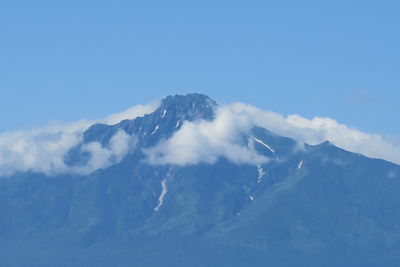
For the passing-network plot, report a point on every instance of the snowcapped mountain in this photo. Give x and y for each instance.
(180, 188)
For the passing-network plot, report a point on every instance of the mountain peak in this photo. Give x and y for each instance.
(188, 107)
(162, 123)
(196, 97)
(189, 101)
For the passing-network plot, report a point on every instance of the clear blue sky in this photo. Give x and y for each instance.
(69, 60)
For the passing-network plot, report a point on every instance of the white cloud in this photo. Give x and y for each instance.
(316, 130)
(39, 150)
(133, 112)
(103, 157)
(204, 141)
(43, 150)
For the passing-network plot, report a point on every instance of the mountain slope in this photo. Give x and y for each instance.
(306, 205)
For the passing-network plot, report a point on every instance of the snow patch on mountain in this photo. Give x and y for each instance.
(155, 129)
(261, 173)
(300, 164)
(264, 144)
(164, 191)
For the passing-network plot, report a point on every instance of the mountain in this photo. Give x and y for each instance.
(317, 205)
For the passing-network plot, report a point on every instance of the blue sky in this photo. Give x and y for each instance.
(85, 59)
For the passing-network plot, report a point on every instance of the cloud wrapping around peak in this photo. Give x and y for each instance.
(206, 141)
(203, 141)
(317, 130)
(103, 157)
(43, 150)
